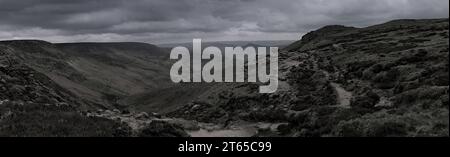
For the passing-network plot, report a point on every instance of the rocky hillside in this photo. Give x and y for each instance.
(33, 105)
(43, 91)
(385, 80)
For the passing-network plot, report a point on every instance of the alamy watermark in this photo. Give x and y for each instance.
(212, 65)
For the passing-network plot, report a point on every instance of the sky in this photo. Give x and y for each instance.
(177, 21)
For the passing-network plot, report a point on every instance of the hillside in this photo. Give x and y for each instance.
(33, 105)
(91, 70)
(45, 92)
(385, 80)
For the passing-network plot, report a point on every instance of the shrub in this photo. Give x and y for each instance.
(162, 129)
(38, 120)
(284, 129)
(422, 94)
(365, 103)
(389, 129)
(386, 79)
(385, 124)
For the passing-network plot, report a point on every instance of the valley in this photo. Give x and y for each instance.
(389, 79)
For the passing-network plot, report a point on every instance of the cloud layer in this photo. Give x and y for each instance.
(162, 21)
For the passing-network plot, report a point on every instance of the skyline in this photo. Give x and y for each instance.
(161, 21)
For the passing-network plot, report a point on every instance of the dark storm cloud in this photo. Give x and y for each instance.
(181, 20)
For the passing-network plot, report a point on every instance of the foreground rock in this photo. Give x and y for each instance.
(144, 124)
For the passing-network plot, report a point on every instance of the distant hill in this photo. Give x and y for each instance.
(221, 44)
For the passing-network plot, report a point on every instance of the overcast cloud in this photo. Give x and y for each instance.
(163, 21)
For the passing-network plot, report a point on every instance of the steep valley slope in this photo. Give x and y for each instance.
(101, 73)
(62, 89)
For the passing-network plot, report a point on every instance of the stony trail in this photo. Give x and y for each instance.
(344, 97)
(244, 129)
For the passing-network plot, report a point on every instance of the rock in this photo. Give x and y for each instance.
(185, 124)
(195, 106)
(303, 56)
(3, 101)
(17, 89)
(125, 111)
(108, 112)
(142, 115)
(156, 115)
(2, 65)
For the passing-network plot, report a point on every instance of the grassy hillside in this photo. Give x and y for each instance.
(37, 98)
(101, 73)
(385, 80)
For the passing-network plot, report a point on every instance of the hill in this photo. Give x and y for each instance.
(97, 72)
(62, 89)
(385, 80)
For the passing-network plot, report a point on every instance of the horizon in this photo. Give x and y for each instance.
(168, 22)
(163, 45)
(211, 41)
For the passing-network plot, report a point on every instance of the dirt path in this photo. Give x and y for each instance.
(237, 130)
(243, 132)
(344, 97)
